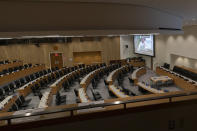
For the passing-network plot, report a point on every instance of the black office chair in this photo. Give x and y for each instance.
(76, 92)
(27, 78)
(49, 70)
(6, 89)
(11, 86)
(32, 77)
(2, 94)
(22, 81)
(25, 103)
(45, 72)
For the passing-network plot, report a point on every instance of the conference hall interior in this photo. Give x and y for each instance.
(98, 65)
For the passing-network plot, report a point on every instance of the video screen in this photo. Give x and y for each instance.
(144, 44)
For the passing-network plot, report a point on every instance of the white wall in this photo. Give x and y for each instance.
(129, 52)
(126, 40)
(171, 48)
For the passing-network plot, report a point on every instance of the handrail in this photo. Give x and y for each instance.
(9, 118)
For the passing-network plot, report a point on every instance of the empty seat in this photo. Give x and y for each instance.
(10, 70)
(17, 84)
(49, 70)
(37, 75)
(11, 86)
(45, 72)
(41, 73)
(22, 81)
(2, 94)
(32, 77)
(27, 78)
(6, 89)
(60, 99)
(25, 103)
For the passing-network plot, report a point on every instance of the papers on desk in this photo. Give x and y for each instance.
(117, 92)
(90, 109)
(160, 78)
(82, 95)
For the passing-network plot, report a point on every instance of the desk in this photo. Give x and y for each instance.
(45, 99)
(26, 89)
(135, 63)
(19, 74)
(148, 88)
(160, 78)
(82, 95)
(137, 73)
(117, 92)
(112, 76)
(7, 103)
(87, 79)
(58, 83)
(181, 81)
(10, 65)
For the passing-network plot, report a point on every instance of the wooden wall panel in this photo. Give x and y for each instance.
(30, 53)
(87, 58)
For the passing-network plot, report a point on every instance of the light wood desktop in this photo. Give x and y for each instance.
(180, 82)
(10, 65)
(19, 74)
(149, 88)
(137, 73)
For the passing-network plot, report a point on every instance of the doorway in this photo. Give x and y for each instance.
(56, 60)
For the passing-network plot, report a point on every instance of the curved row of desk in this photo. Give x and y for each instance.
(111, 78)
(10, 65)
(85, 82)
(136, 74)
(181, 81)
(21, 73)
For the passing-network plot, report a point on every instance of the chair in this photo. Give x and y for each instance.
(60, 99)
(25, 103)
(56, 68)
(27, 78)
(32, 77)
(106, 84)
(76, 92)
(45, 72)
(40, 95)
(41, 73)
(6, 89)
(20, 67)
(10, 70)
(25, 66)
(14, 107)
(17, 84)
(18, 102)
(30, 65)
(22, 81)
(2, 94)
(37, 75)
(11, 86)
(49, 70)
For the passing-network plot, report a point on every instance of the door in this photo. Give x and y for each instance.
(56, 60)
